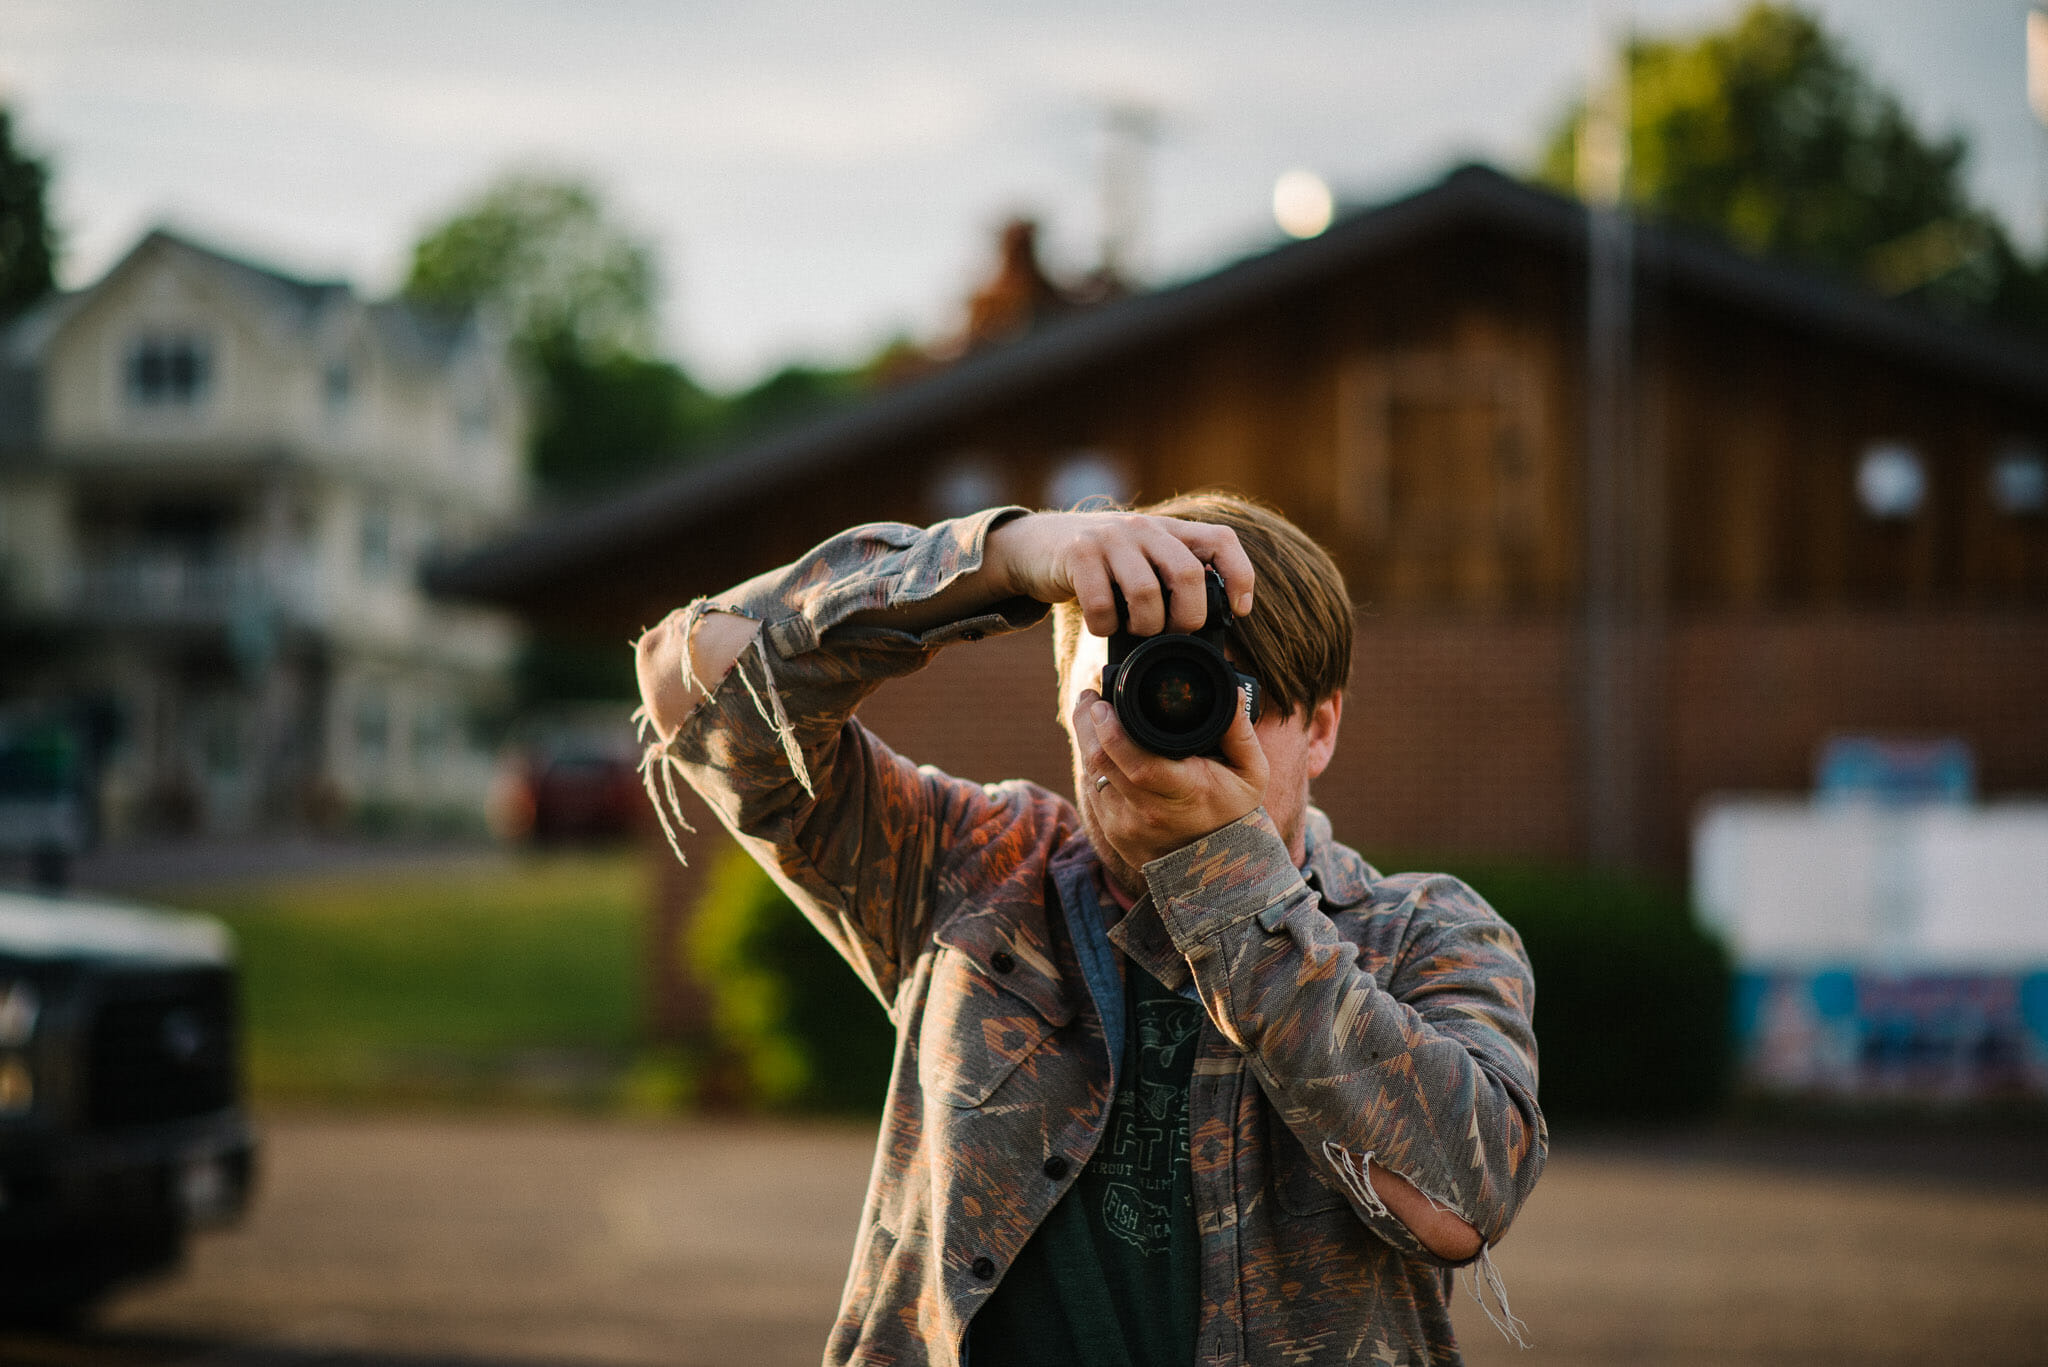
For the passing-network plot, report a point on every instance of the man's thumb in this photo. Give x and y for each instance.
(1241, 748)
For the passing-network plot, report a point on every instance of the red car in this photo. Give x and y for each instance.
(573, 787)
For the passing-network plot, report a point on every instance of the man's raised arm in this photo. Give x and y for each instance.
(1050, 557)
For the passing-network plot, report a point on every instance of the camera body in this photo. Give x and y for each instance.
(1176, 693)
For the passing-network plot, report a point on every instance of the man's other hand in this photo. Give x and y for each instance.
(1054, 557)
(1151, 806)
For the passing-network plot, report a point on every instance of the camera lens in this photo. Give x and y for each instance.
(1176, 695)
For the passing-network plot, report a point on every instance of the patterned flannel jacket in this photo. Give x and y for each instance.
(1350, 1016)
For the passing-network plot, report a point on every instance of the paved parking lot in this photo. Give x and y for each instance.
(409, 1242)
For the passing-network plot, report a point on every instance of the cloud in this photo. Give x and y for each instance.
(820, 169)
(848, 114)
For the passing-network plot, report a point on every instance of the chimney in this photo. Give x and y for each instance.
(1019, 296)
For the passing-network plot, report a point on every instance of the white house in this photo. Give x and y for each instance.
(217, 483)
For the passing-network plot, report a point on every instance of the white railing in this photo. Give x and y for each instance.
(180, 589)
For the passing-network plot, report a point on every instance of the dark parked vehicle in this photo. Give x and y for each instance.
(121, 1119)
(572, 777)
(585, 797)
(46, 810)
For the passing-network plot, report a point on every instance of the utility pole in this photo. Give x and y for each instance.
(1611, 699)
(1130, 129)
(2037, 95)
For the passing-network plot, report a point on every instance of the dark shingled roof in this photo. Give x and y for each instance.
(515, 567)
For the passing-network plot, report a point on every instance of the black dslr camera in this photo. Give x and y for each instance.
(1174, 693)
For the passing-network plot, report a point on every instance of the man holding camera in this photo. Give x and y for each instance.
(1179, 1079)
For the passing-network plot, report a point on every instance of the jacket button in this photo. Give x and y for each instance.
(1055, 1167)
(984, 1268)
(1001, 961)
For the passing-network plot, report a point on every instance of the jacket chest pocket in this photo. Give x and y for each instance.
(974, 1034)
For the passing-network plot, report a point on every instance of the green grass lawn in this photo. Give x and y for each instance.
(512, 984)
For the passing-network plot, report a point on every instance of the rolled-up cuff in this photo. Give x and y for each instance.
(1012, 614)
(1227, 876)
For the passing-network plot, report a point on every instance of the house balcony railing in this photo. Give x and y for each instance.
(177, 590)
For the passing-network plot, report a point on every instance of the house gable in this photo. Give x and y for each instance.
(167, 351)
(183, 355)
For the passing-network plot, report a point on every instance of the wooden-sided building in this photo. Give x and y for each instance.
(1601, 570)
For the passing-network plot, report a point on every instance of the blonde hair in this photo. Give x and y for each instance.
(1297, 637)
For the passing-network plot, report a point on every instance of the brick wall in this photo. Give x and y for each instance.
(983, 711)
(1460, 735)
(1759, 693)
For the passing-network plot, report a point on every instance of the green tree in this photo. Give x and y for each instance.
(28, 240)
(1770, 134)
(578, 292)
(792, 392)
(547, 254)
(613, 417)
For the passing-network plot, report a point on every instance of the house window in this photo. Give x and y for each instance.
(2019, 480)
(221, 739)
(337, 387)
(373, 726)
(1085, 475)
(1891, 481)
(967, 485)
(169, 370)
(433, 729)
(376, 540)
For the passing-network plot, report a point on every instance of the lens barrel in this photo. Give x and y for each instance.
(1176, 693)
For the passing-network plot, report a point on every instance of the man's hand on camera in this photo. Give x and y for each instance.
(1054, 557)
(1151, 806)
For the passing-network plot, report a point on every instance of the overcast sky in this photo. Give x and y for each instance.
(818, 176)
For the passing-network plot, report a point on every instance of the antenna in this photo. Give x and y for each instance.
(1130, 130)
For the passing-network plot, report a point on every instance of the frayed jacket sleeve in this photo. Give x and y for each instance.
(852, 831)
(1424, 1062)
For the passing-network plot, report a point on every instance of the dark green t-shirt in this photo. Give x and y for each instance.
(1110, 1279)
